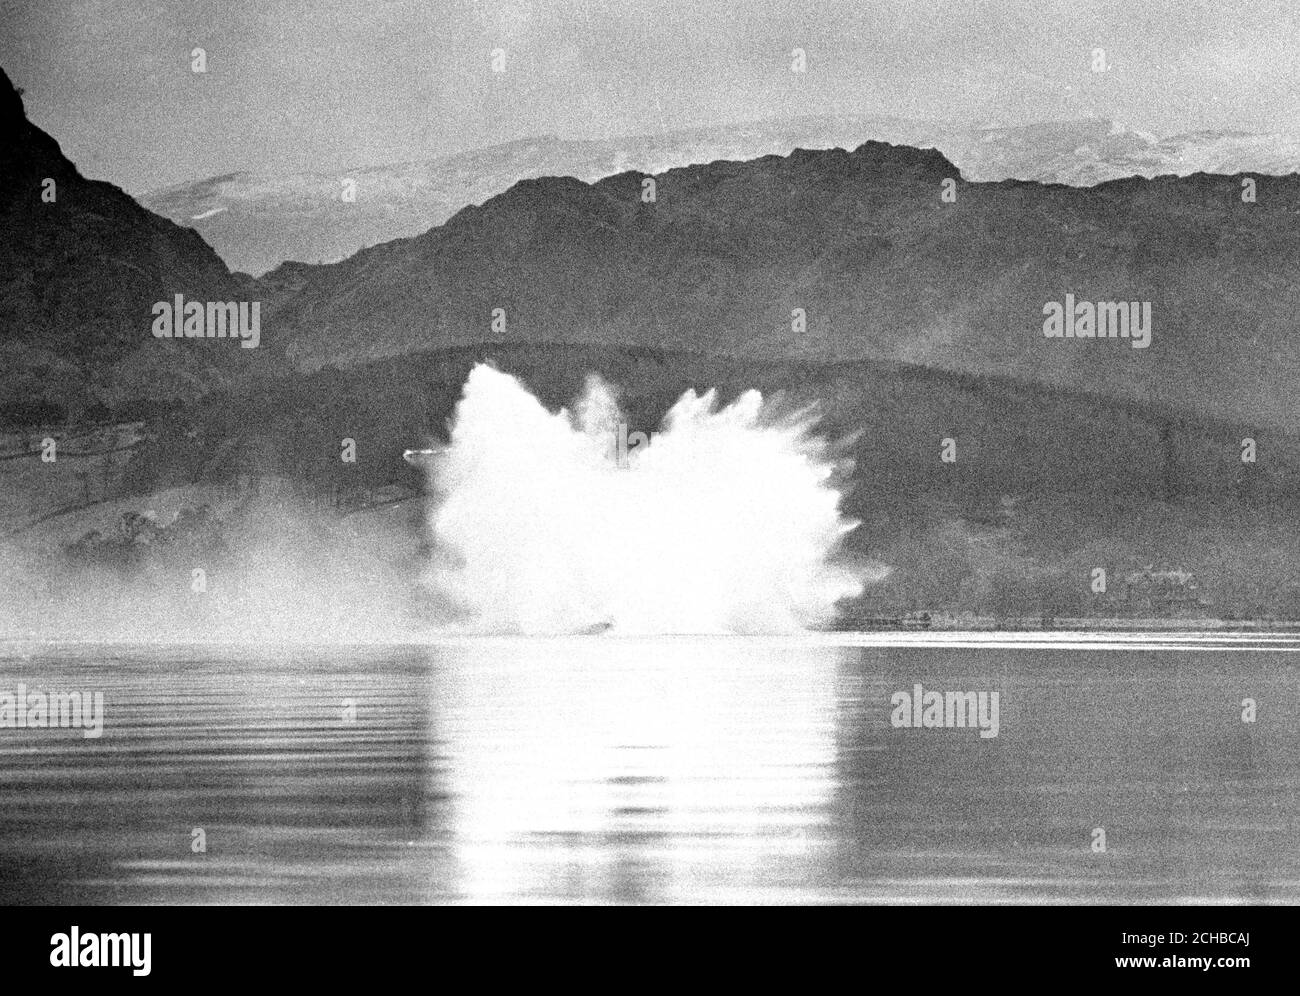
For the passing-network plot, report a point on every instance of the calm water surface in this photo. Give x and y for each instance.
(675, 770)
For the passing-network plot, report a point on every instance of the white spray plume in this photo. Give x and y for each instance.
(728, 520)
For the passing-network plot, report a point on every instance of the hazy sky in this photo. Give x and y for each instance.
(327, 84)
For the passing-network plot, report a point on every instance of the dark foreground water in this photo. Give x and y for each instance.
(603, 770)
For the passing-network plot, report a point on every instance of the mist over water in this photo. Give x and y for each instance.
(725, 520)
(283, 573)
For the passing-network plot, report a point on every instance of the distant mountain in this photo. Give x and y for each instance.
(1085, 153)
(863, 242)
(256, 220)
(80, 269)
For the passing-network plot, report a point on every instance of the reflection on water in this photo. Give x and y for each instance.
(678, 770)
(670, 770)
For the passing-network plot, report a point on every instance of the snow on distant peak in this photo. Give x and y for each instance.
(1120, 128)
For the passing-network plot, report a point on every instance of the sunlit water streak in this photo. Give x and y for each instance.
(650, 749)
(664, 770)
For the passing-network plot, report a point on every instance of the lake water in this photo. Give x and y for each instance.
(674, 770)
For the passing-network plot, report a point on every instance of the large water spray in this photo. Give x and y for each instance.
(726, 520)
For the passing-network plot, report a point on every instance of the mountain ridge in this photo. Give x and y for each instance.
(864, 242)
(81, 264)
(258, 220)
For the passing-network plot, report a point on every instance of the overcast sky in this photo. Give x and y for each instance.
(323, 85)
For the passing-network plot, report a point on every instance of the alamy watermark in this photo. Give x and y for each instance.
(919, 709)
(1072, 319)
(622, 444)
(181, 319)
(93, 950)
(38, 710)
